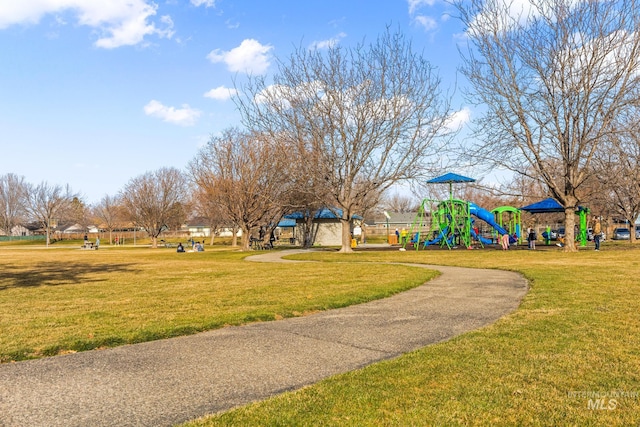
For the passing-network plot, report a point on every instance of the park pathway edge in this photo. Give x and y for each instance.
(165, 382)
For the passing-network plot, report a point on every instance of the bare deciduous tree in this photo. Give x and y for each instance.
(552, 76)
(13, 195)
(247, 175)
(617, 168)
(306, 193)
(47, 203)
(80, 213)
(303, 199)
(358, 119)
(401, 203)
(206, 205)
(110, 211)
(151, 200)
(178, 216)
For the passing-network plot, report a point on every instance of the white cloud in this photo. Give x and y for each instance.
(205, 3)
(417, 4)
(185, 116)
(275, 94)
(231, 24)
(519, 11)
(119, 22)
(325, 44)
(426, 22)
(458, 119)
(283, 95)
(221, 93)
(250, 57)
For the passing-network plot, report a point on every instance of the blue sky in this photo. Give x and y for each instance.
(96, 92)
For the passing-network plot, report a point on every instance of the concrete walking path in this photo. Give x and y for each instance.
(165, 382)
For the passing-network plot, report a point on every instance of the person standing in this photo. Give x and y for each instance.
(597, 234)
(531, 238)
(403, 236)
(504, 241)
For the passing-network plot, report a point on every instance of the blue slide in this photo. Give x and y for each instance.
(482, 240)
(438, 238)
(488, 217)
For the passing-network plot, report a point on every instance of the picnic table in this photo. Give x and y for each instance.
(258, 244)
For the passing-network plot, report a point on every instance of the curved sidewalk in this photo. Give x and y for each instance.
(165, 382)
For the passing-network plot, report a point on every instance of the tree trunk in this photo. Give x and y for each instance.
(569, 229)
(234, 237)
(246, 237)
(632, 229)
(154, 242)
(309, 232)
(346, 236)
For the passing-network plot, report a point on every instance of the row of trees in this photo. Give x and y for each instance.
(43, 203)
(334, 129)
(153, 201)
(558, 83)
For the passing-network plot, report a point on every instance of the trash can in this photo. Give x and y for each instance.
(354, 243)
(393, 239)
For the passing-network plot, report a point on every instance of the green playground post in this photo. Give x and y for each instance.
(583, 212)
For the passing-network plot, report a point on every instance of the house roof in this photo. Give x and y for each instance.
(397, 218)
(70, 226)
(198, 221)
(32, 226)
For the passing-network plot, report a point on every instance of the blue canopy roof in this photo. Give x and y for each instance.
(323, 213)
(287, 222)
(449, 178)
(545, 206)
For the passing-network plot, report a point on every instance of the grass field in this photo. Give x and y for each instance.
(55, 301)
(570, 355)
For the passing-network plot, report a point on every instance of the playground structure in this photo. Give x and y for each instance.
(452, 220)
(451, 224)
(582, 213)
(510, 219)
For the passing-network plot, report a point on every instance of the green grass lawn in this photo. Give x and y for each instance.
(55, 301)
(570, 355)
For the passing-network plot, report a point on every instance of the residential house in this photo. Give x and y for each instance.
(198, 227)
